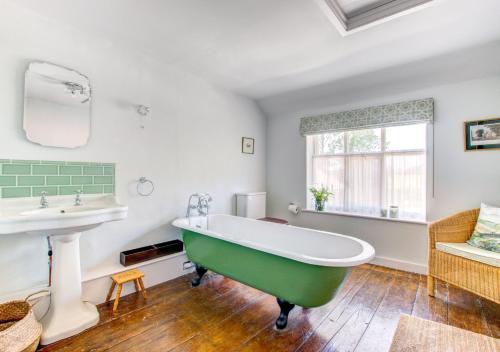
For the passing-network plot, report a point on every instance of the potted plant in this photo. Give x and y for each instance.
(321, 196)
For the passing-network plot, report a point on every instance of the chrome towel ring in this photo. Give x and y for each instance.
(145, 187)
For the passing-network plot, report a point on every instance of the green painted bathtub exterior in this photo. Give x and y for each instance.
(299, 283)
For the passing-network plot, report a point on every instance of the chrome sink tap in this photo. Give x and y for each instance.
(44, 203)
(78, 199)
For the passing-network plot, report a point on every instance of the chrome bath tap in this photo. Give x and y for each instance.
(202, 206)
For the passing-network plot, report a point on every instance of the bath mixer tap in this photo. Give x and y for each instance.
(78, 199)
(202, 206)
(44, 203)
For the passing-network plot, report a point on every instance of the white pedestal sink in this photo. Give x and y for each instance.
(64, 223)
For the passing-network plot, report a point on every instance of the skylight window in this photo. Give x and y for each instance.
(353, 15)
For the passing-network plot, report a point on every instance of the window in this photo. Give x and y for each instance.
(349, 15)
(371, 169)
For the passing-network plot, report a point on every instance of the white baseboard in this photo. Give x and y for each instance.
(108, 270)
(400, 265)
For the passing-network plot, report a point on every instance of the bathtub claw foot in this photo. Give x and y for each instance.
(200, 271)
(286, 307)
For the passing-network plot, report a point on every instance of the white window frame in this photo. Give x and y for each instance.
(429, 179)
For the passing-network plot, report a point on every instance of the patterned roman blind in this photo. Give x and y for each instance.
(405, 113)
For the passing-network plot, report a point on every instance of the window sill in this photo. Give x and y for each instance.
(371, 217)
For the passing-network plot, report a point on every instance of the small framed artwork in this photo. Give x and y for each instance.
(482, 134)
(247, 145)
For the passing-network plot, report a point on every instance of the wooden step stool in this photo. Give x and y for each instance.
(121, 278)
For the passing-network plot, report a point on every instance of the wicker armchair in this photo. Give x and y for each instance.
(479, 278)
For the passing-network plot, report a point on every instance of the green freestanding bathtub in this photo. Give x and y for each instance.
(299, 266)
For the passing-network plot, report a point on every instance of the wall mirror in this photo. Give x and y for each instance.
(56, 106)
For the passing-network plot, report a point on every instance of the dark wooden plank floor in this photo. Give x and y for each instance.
(223, 315)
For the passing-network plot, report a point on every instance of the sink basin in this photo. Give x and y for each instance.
(57, 211)
(64, 223)
(24, 215)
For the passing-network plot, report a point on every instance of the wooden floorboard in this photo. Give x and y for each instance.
(336, 329)
(492, 315)
(464, 311)
(359, 313)
(303, 322)
(400, 298)
(431, 308)
(224, 315)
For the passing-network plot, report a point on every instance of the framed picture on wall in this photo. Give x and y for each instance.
(482, 134)
(247, 145)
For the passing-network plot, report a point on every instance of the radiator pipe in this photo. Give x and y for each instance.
(49, 245)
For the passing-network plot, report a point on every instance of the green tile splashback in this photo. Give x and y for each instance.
(28, 178)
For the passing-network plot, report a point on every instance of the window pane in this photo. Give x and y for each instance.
(364, 141)
(405, 183)
(409, 137)
(363, 191)
(328, 171)
(329, 143)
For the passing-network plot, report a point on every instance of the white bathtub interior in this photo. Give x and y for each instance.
(306, 245)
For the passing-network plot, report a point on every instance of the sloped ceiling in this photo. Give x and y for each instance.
(262, 48)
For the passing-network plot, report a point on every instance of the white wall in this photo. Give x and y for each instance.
(191, 141)
(461, 180)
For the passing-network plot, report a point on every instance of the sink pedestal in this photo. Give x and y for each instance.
(64, 223)
(68, 314)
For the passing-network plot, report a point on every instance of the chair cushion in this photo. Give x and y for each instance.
(486, 235)
(465, 250)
